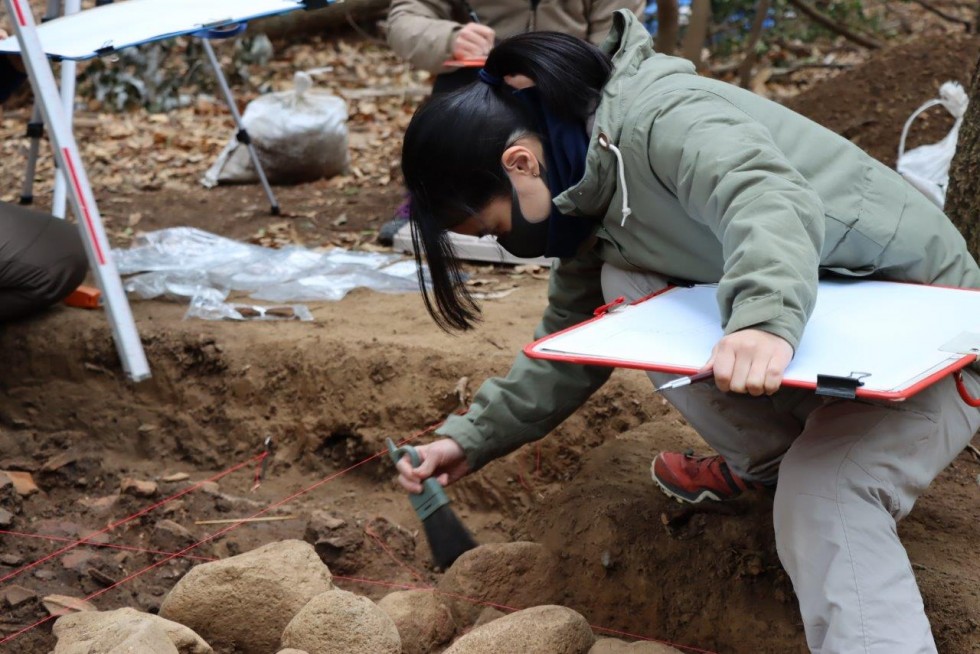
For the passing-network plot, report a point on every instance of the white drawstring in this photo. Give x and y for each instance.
(621, 170)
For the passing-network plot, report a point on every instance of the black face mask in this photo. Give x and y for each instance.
(525, 239)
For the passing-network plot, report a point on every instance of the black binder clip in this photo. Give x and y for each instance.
(843, 387)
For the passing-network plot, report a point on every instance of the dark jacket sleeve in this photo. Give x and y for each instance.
(10, 78)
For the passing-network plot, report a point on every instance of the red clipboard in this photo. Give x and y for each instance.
(465, 63)
(872, 339)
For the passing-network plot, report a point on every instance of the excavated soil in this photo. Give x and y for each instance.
(373, 366)
(870, 103)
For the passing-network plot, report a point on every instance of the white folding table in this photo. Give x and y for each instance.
(97, 32)
(109, 27)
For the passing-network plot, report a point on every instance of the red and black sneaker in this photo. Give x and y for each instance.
(692, 479)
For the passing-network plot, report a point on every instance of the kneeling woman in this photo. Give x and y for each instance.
(632, 170)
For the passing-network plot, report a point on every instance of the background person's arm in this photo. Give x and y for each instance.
(422, 32)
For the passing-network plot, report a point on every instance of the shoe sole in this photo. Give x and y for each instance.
(681, 497)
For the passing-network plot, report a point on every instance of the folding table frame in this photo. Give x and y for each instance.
(35, 126)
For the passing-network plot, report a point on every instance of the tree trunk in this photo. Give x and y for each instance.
(319, 21)
(963, 196)
(697, 32)
(668, 15)
(745, 68)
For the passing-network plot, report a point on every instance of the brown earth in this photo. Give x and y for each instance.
(373, 366)
(870, 103)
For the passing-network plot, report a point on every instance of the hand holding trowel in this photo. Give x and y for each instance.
(447, 536)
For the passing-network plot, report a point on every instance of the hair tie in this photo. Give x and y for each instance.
(488, 78)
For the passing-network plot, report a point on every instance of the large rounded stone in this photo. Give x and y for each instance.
(538, 630)
(124, 630)
(423, 619)
(339, 622)
(244, 602)
(517, 575)
(615, 646)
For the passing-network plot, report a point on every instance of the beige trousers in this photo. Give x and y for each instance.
(847, 471)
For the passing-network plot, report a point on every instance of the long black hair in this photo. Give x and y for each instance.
(452, 149)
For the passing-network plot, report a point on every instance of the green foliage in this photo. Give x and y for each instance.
(166, 74)
(732, 21)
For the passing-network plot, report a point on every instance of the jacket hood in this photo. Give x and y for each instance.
(631, 48)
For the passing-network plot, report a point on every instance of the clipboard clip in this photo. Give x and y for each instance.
(963, 391)
(842, 387)
(106, 49)
(610, 307)
(967, 343)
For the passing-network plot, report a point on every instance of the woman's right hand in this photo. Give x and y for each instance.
(443, 459)
(473, 41)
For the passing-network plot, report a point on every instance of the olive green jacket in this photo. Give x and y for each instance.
(722, 186)
(422, 31)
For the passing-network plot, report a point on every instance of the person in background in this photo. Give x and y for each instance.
(42, 258)
(634, 171)
(428, 33)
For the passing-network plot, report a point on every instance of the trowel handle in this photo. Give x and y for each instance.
(397, 453)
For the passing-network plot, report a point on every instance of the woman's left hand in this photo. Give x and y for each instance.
(750, 361)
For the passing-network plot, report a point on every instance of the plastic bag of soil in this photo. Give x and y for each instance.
(299, 135)
(927, 166)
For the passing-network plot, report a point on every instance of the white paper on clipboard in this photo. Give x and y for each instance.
(123, 24)
(890, 334)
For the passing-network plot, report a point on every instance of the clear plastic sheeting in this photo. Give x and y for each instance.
(171, 285)
(188, 263)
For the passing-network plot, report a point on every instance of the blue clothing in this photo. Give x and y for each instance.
(565, 145)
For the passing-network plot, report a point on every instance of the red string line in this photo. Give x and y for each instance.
(172, 555)
(415, 573)
(126, 548)
(207, 539)
(85, 541)
(218, 533)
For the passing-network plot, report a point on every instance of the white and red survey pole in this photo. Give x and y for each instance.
(79, 192)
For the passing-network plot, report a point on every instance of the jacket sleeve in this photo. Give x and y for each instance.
(422, 32)
(536, 395)
(599, 14)
(728, 174)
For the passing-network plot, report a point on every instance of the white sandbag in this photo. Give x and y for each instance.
(927, 166)
(300, 136)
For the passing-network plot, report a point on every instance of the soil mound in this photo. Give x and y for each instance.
(870, 103)
(636, 562)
